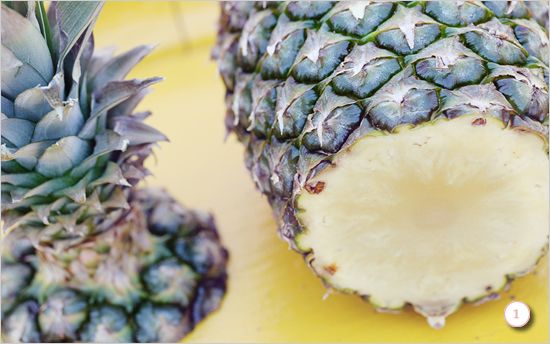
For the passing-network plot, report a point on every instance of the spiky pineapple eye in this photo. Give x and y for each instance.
(455, 13)
(277, 64)
(404, 101)
(414, 107)
(106, 324)
(465, 71)
(286, 39)
(21, 324)
(164, 221)
(255, 38)
(364, 82)
(208, 300)
(202, 253)
(17, 248)
(300, 10)
(365, 70)
(530, 98)
(156, 323)
(332, 129)
(395, 40)
(282, 178)
(359, 20)
(170, 281)
(493, 41)
(290, 121)
(482, 99)
(323, 131)
(533, 38)
(61, 315)
(315, 69)
(15, 276)
(505, 9)
(263, 105)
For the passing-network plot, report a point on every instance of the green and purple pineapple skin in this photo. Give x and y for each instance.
(87, 256)
(151, 278)
(306, 81)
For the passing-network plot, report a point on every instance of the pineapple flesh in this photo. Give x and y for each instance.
(87, 256)
(402, 145)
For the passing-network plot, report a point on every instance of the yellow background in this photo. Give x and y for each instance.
(272, 295)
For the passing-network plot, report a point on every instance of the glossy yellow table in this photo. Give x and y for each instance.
(272, 295)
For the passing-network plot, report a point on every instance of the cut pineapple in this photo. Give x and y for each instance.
(319, 93)
(429, 215)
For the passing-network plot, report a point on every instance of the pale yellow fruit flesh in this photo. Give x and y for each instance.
(430, 215)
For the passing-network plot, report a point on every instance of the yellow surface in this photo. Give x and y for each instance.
(272, 295)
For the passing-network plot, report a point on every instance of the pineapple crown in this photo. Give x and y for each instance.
(72, 145)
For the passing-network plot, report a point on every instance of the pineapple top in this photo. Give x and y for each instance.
(71, 144)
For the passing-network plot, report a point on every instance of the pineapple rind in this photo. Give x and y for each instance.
(72, 311)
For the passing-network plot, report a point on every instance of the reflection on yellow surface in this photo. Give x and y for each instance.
(272, 295)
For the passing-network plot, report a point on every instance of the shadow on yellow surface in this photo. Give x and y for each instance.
(272, 295)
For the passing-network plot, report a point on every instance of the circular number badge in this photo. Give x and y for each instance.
(517, 314)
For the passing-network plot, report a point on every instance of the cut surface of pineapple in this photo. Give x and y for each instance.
(430, 215)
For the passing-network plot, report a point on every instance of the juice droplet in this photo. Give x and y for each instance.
(436, 322)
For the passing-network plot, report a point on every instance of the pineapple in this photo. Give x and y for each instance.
(150, 278)
(402, 145)
(86, 255)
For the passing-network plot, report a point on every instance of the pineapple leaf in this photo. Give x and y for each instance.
(136, 131)
(25, 42)
(17, 131)
(18, 6)
(111, 175)
(26, 180)
(7, 107)
(42, 17)
(69, 20)
(17, 76)
(62, 156)
(28, 156)
(110, 96)
(106, 142)
(117, 68)
(31, 104)
(49, 187)
(59, 123)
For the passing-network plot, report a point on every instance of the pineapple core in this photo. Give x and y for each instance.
(429, 215)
